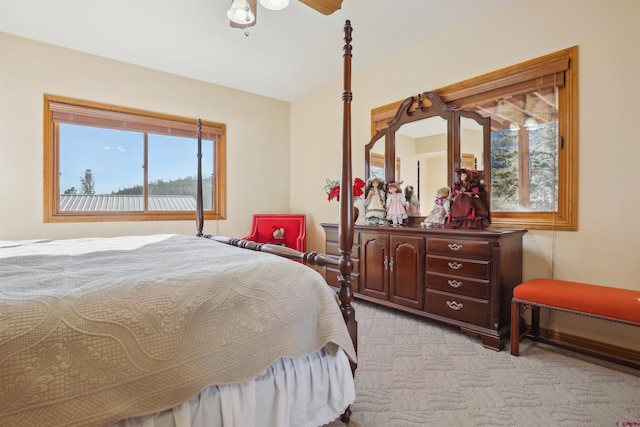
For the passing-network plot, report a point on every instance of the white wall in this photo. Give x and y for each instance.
(257, 136)
(605, 250)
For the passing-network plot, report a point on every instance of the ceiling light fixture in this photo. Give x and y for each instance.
(274, 4)
(240, 12)
(243, 13)
(530, 124)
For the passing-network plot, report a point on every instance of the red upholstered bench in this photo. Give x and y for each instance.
(603, 302)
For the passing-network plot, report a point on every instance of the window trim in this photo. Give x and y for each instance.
(56, 107)
(558, 65)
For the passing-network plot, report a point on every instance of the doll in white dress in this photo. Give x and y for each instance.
(440, 210)
(374, 202)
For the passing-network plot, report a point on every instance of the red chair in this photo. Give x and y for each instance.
(267, 228)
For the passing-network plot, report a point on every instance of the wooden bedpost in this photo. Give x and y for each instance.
(345, 222)
(199, 204)
(345, 225)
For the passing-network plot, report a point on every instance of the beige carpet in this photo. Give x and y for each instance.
(416, 372)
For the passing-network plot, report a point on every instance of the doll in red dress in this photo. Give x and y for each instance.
(467, 208)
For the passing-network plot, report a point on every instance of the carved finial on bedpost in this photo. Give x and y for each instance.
(199, 204)
(346, 94)
(345, 226)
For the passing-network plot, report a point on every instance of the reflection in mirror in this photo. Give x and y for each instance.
(471, 144)
(374, 156)
(376, 168)
(421, 146)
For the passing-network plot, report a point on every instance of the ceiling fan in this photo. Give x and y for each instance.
(243, 13)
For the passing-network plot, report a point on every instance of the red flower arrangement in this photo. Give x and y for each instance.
(333, 189)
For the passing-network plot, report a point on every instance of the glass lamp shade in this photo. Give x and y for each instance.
(274, 4)
(531, 124)
(240, 12)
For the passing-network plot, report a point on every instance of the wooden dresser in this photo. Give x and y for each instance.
(461, 277)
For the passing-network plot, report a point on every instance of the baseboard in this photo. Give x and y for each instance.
(617, 354)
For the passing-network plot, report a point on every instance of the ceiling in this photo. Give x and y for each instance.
(288, 53)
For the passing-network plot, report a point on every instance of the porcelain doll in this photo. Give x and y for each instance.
(413, 204)
(467, 208)
(374, 202)
(396, 205)
(441, 205)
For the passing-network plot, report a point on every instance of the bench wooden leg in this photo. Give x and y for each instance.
(535, 321)
(515, 328)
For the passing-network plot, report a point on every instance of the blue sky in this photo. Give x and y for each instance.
(116, 157)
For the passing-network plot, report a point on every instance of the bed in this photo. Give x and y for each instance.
(174, 330)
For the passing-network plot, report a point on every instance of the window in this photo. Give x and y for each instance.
(376, 168)
(534, 114)
(107, 163)
(533, 108)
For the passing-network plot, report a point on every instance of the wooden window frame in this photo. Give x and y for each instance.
(559, 69)
(59, 109)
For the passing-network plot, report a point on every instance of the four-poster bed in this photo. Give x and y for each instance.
(178, 330)
(346, 218)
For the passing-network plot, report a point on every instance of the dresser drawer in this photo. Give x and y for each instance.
(458, 285)
(333, 248)
(459, 247)
(452, 306)
(460, 267)
(331, 235)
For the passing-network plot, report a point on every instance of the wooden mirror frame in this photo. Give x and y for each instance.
(423, 106)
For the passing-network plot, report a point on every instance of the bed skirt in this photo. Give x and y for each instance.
(309, 391)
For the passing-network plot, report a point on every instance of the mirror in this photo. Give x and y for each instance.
(473, 140)
(421, 146)
(431, 140)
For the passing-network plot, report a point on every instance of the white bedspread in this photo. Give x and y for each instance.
(94, 330)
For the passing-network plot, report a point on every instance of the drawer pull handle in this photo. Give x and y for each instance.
(455, 283)
(455, 247)
(455, 265)
(454, 305)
